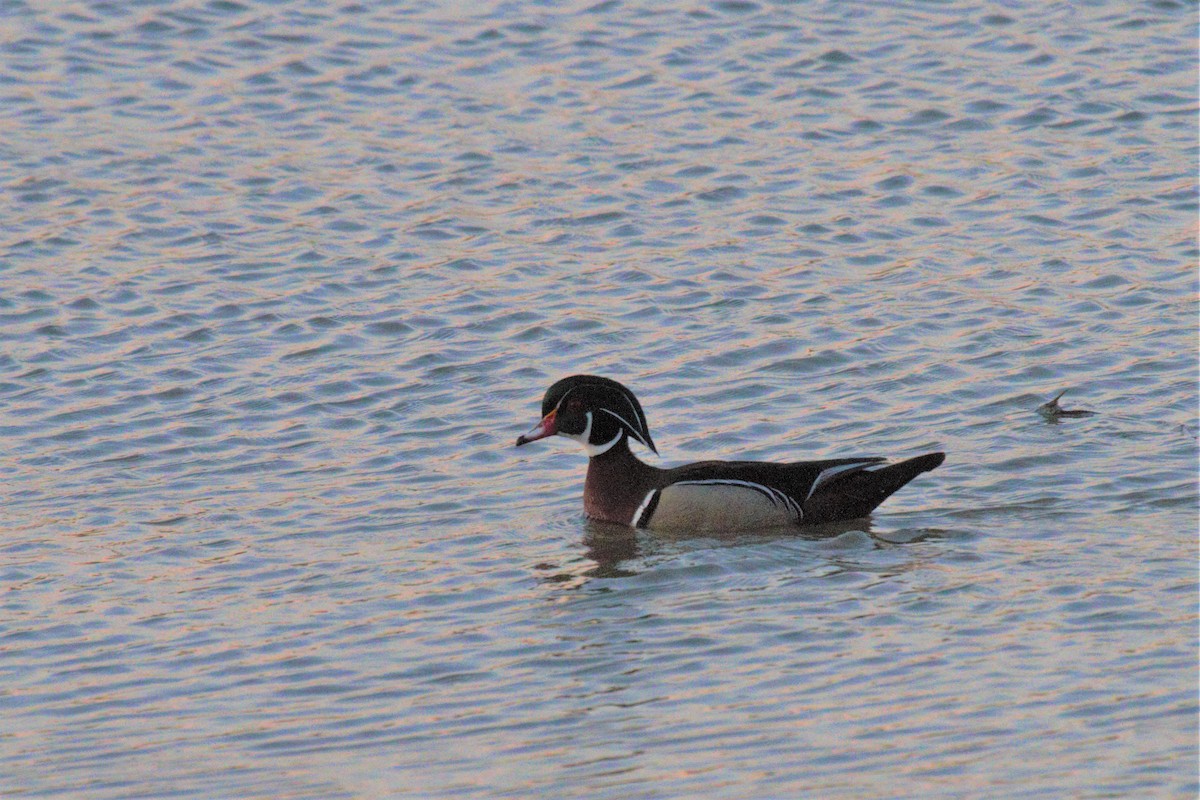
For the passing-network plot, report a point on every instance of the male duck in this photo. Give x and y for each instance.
(603, 416)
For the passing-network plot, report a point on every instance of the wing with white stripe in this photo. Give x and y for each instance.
(830, 473)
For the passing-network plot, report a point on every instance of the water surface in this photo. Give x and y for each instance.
(281, 283)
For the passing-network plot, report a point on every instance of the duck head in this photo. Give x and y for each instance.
(596, 412)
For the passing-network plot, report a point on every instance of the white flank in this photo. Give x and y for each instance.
(776, 497)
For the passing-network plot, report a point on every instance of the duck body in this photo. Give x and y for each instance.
(705, 496)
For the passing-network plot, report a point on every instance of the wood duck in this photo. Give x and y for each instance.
(602, 415)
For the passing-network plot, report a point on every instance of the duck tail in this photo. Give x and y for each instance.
(858, 493)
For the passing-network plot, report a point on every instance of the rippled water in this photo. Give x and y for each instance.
(281, 283)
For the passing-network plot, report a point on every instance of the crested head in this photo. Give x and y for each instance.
(597, 412)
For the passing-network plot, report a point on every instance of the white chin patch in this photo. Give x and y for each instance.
(592, 450)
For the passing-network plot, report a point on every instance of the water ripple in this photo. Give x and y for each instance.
(280, 285)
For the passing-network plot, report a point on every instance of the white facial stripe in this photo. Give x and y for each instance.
(566, 394)
(636, 414)
(831, 472)
(632, 428)
(594, 450)
(776, 497)
(582, 438)
(585, 439)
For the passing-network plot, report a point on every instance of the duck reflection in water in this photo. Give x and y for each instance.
(613, 547)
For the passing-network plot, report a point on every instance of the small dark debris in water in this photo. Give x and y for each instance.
(1053, 410)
